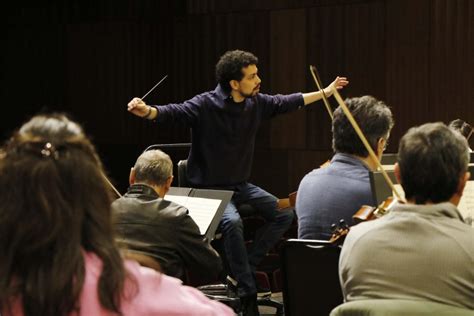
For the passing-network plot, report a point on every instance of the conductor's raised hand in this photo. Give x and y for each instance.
(138, 107)
(338, 83)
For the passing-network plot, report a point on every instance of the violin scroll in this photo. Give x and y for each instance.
(339, 232)
(365, 213)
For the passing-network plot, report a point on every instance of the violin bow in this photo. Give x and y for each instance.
(317, 80)
(112, 186)
(365, 142)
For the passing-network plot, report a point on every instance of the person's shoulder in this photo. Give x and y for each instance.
(200, 101)
(151, 292)
(459, 230)
(118, 202)
(129, 202)
(208, 101)
(207, 94)
(212, 95)
(172, 208)
(363, 231)
(315, 175)
(311, 183)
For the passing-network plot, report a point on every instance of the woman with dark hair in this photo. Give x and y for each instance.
(59, 256)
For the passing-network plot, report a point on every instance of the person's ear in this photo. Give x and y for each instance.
(381, 144)
(131, 177)
(397, 173)
(168, 183)
(234, 84)
(462, 182)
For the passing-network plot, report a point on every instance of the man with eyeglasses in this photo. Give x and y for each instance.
(327, 195)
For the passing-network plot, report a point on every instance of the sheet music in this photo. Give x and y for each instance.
(466, 205)
(388, 167)
(201, 210)
(400, 191)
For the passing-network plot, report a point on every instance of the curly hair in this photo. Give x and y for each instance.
(229, 67)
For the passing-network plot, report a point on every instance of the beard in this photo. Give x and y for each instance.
(251, 94)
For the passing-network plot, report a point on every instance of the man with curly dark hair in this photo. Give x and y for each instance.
(224, 123)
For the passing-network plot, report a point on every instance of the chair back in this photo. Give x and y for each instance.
(397, 307)
(182, 173)
(310, 277)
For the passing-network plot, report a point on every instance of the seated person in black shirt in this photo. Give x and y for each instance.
(149, 225)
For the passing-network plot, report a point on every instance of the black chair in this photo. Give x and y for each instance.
(310, 277)
(218, 292)
(182, 173)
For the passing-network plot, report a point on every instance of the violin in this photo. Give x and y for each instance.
(339, 232)
(365, 212)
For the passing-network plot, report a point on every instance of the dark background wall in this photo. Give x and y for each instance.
(89, 58)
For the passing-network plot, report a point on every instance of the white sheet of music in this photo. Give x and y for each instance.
(466, 206)
(388, 167)
(400, 191)
(201, 210)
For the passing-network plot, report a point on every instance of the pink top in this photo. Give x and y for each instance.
(157, 294)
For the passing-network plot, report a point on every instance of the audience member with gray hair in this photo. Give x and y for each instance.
(423, 249)
(150, 227)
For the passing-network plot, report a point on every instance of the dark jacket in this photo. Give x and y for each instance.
(148, 224)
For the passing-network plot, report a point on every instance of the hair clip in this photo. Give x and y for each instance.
(49, 151)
